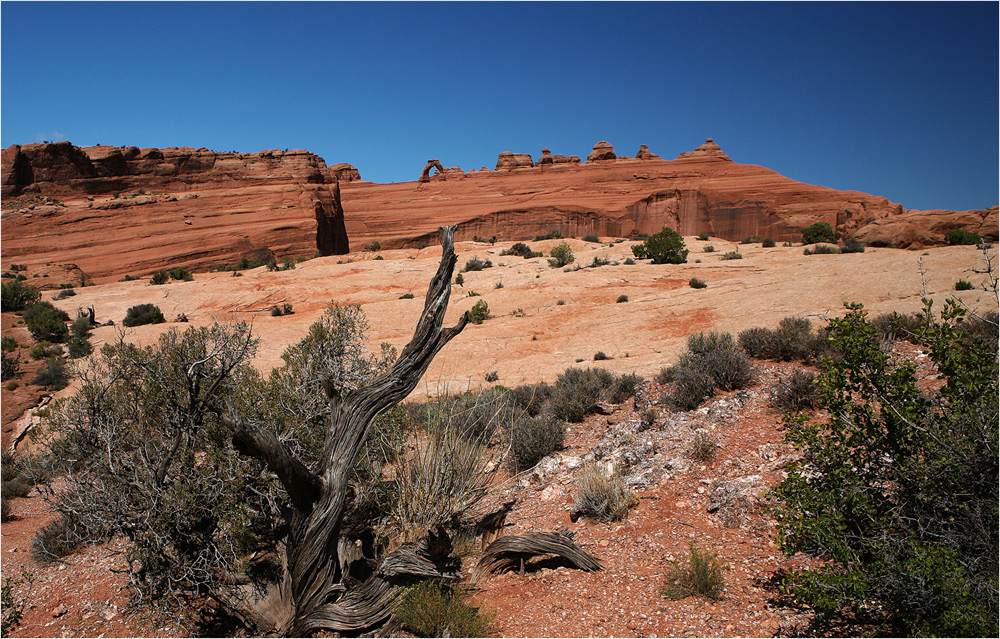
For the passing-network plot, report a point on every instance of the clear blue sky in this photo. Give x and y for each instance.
(895, 99)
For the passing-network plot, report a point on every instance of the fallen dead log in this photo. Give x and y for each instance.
(512, 551)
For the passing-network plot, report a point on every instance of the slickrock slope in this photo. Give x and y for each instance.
(115, 211)
(122, 210)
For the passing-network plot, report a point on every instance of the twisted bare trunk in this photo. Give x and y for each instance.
(313, 589)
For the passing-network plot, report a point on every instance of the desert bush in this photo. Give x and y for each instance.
(702, 446)
(767, 243)
(530, 398)
(703, 236)
(712, 360)
(622, 388)
(14, 600)
(522, 249)
(621, 299)
(551, 235)
(432, 609)
(600, 356)
(8, 344)
(64, 293)
(276, 311)
(16, 295)
(694, 282)
(561, 255)
(750, 239)
(693, 386)
(10, 365)
(852, 246)
(665, 375)
(897, 493)
(372, 247)
(895, 326)
(491, 376)
(796, 392)
(479, 313)
(46, 322)
(533, 438)
(476, 264)
(159, 277)
(12, 385)
(792, 340)
(143, 314)
(961, 236)
(79, 347)
(822, 249)
(81, 326)
(53, 375)
(701, 574)
(963, 285)
(58, 539)
(732, 255)
(591, 238)
(629, 261)
(665, 247)
(603, 498)
(577, 390)
(819, 232)
(406, 296)
(708, 248)
(459, 279)
(182, 274)
(599, 261)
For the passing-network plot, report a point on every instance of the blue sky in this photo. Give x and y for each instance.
(895, 99)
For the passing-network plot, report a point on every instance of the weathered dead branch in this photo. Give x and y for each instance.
(510, 552)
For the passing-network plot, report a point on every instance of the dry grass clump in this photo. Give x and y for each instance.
(433, 609)
(603, 498)
(533, 438)
(701, 575)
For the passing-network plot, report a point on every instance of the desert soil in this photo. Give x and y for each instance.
(533, 337)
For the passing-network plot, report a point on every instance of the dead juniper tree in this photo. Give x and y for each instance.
(167, 447)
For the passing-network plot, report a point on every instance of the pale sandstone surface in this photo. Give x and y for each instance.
(641, 335)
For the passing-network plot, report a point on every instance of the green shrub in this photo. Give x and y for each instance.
(56, 540)
(521, 249)
(53, 375)
(621, 299)
(12, 385)
(182, 274)
(711, 361)
(479, 313)
(819, 232)
(750, 239)
(64, 293)
(895, 326)
(159, 277)
(797, 392)
(10, 365)
(629, 261)
(46, 322)
(792, 340)
(708, 248)
(703, 237)
(665, 247)
(591, 238)
(897, 494)
(693, 386)
(733, 255)
(852, 246)
(372, 246)
(561, 255)
(600, 355)
(701, 574)
(8, 344)
(961, 236)
(16, 295)
(79, 347)
(577, 390)
(476, 264)
(603, 498)
(143, 314)
(767, 243)
(80, 327)
(531, 398)
(822, 249)
(694, 282)
(551, 235)
(533, 438)
(459, 279)
(963, 285)
(406, 296)
(432, 609)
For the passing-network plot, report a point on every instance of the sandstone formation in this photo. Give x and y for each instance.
(425, 175)
(645, 154)
(123, 210)
(603, 151)
(707, 150)
(344, 172)
(508, 161)
(546, 157)
(126, 210)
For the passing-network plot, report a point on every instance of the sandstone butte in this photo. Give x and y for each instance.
(111, 211)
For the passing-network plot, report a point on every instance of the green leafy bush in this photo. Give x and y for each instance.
(479, 313)
(16, 295)
(711, 361)
(432, 609)
(64, 293)
(551, 235)
(561, 255)
(701, 574)
(577, 390)
(961, 236)
(372, 246)
(600, 355)
(159, 277)
(603, 498)
(8, 344)
(897, 494)
(665, 247)
(46, 322)
(522, 249)
(182, 274)
(963, 285)
(143, 314)
(703, 236)
(10, 365)
(767, 243)
(53, 375)
(708, 248)
(750, 239)
(819, 232)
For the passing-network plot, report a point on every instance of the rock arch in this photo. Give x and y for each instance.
(425, 175)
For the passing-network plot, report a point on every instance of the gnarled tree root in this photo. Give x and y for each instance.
(511, 551)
